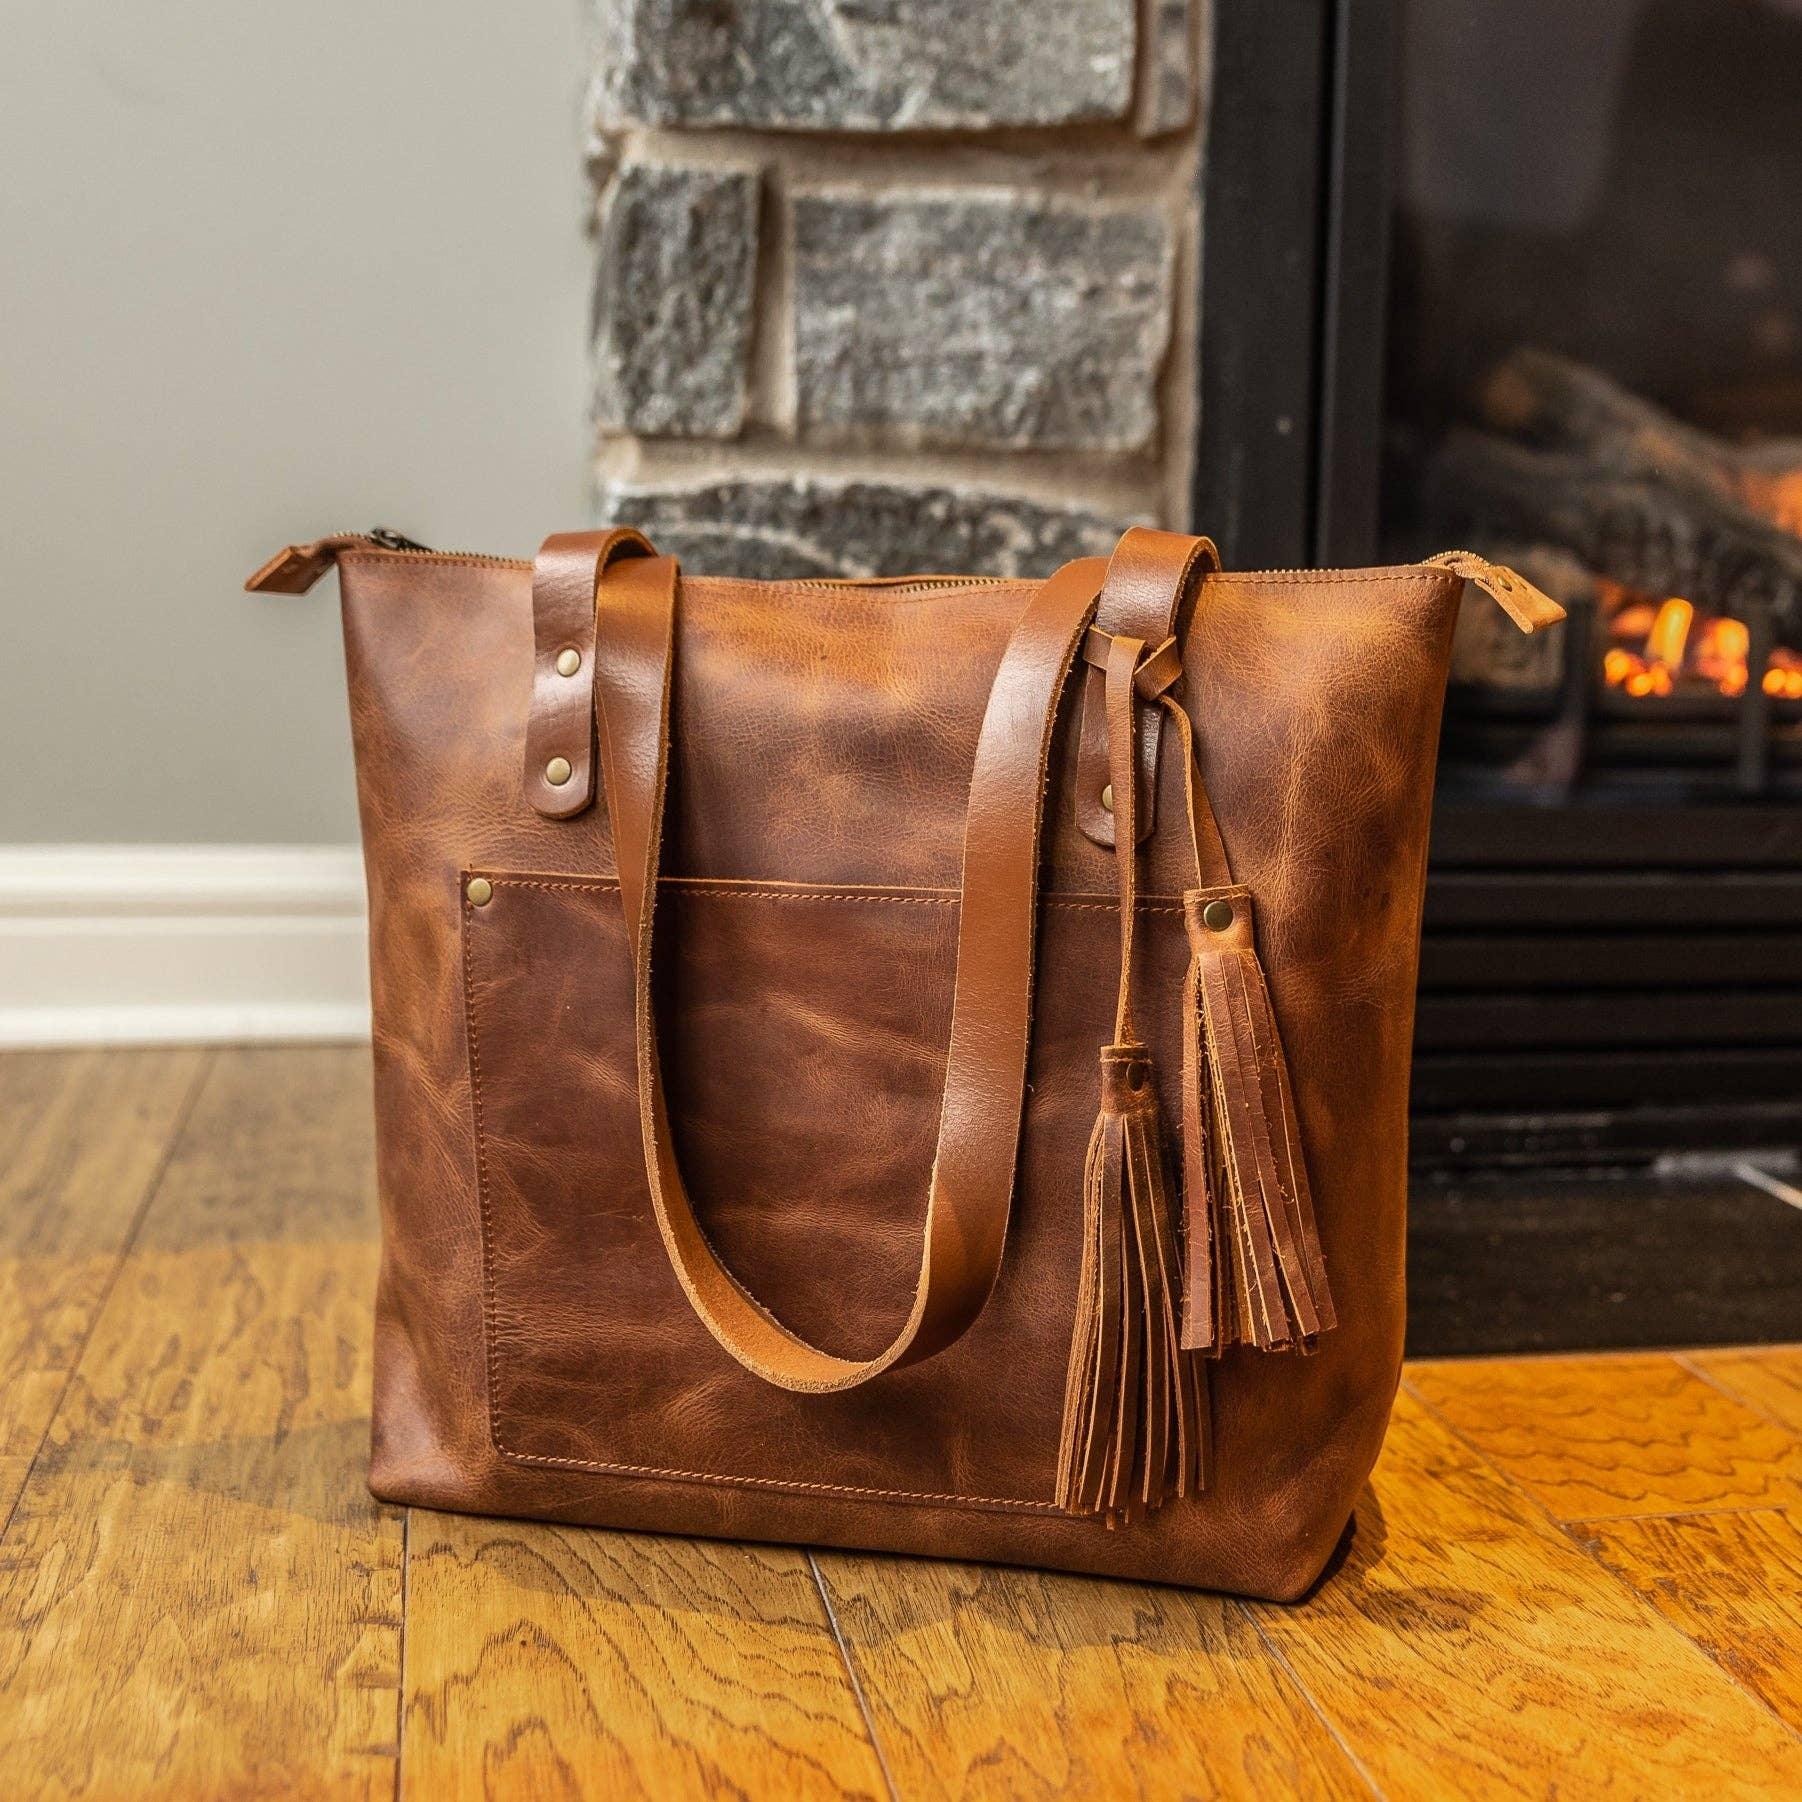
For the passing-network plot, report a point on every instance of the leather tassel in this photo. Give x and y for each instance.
(1135, 1419)
(1201, 1181)
(1255, 1272)
(1135, 1427)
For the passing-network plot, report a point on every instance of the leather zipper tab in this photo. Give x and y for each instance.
(1527, 606)
(296, 567)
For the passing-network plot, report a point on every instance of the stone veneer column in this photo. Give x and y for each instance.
(888, 285)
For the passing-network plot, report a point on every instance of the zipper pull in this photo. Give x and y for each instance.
(1527, 606)
(296, 567)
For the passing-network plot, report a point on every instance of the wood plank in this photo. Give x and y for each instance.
(1012, 1683)
(1767, 1377)
(1468, 1648)
(569, 1662)
(1595, 1438)
(197, 1596)
(82, 1137)
(1732, 1582)
(202, 1598)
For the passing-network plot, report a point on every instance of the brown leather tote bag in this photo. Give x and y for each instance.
(914, 1064)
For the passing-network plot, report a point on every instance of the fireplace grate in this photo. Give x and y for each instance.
(1608, 982)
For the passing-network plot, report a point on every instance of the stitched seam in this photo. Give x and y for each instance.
(885, 897)
(489, 1282)
(489, 1295)
(869, 593)
(785, 1483)
(472, 559)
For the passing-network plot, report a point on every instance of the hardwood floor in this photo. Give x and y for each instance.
(1572, 1576)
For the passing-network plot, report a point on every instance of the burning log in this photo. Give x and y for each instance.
(1575, 461)
(1772, 474)
(1561, 404)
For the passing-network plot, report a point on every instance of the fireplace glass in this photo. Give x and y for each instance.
(1596, 369)
(1594, 372)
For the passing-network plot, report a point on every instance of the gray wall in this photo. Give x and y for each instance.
(268, 271)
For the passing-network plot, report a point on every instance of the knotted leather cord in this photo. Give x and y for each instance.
(1149, 576)
(973, 1169)
(1213, 869)
(1123, 655)
(1155, 675)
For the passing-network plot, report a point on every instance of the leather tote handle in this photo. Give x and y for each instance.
(985, 1069)
(559, 772)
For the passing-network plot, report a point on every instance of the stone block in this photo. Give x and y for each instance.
(675, 300)
(984, 318)
(863, 65)
(1168, 101)
(804, 526)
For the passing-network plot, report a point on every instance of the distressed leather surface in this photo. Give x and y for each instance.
(823, 737)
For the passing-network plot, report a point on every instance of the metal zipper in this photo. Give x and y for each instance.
(901, 584)
(297, 567)
(397, 544)
(1314, 570)
(387, 539)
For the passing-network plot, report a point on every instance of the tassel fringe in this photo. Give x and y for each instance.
(1135, 1424)
(1255, 1273)
(1135, 1419)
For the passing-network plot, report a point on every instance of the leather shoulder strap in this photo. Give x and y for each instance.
(1149, 577)
(972, 1181)
(559, 770)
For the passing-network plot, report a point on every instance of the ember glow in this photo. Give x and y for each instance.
(1663, 647)
(1778, 497)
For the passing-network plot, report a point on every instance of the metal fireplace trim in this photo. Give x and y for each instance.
(1297, 195)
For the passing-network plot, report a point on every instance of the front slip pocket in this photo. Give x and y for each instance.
(803, 1031)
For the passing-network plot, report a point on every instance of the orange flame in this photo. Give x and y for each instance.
(1670, 633)
(1658, 645)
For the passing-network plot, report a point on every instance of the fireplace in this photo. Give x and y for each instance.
(1565, 298)
(1515, 274)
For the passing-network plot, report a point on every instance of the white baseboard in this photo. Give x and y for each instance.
(173, 944)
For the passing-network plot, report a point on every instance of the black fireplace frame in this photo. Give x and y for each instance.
(1297, 192)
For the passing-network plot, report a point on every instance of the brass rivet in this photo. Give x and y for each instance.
(1217, 916)
(480, 891)
(1107, 798)
(568, 662)
(557, 771)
